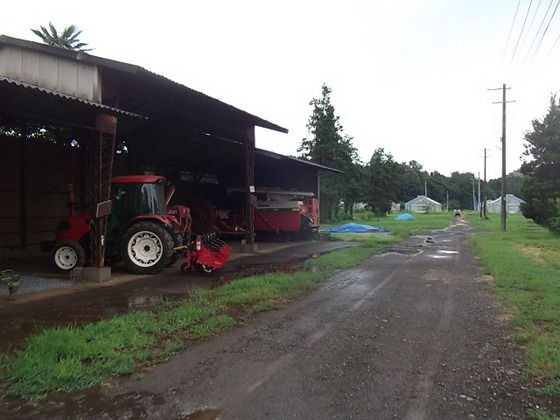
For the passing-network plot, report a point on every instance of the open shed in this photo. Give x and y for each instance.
(71, 120)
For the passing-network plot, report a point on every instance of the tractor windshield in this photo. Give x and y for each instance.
(135, 199)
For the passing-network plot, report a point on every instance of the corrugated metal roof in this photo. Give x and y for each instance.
(296, 160)
(66, 96)
(141, 72)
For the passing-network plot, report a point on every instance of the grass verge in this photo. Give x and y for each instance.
(71, 358)
(525, 264)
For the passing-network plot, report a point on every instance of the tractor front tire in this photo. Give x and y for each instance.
(147, 248)
(68, 255)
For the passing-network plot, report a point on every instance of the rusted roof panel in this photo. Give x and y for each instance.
(109, 109)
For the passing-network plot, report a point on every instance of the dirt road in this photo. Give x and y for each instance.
(412, 334)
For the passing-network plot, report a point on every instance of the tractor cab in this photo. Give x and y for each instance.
(140, 232)
(132, 197)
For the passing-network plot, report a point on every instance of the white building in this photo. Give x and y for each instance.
(513, 204)
(423, 204)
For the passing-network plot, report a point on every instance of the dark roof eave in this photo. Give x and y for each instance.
(106, 108)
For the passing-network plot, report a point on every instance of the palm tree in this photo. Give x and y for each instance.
(67, 39)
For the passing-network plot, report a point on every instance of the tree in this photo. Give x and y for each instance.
(68, 38)
(514, 184)
(460, 189)
(438, 187)
(355, 179)
(326, 145)
(409, 181)
(542, 165)
(381, 172)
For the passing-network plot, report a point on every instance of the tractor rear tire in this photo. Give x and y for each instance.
(178, 241)
(147, 248)
(68, 255)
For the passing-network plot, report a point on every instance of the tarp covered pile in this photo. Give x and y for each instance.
(355, 228)
(405, 216)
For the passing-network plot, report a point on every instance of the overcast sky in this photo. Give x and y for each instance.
(408, 76)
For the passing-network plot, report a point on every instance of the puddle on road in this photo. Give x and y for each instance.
(209, 414)
(405, 250)
(447, 254)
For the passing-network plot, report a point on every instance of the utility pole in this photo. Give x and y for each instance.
(473, 194)
(485, 198)
(479, 204)
(503, 213)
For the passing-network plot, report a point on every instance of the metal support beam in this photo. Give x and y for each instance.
(23, 190)
(103, 149)
(250, 184)
(318, 221)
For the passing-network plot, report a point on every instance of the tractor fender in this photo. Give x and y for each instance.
(164, 220)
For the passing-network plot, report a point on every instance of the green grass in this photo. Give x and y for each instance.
(72, 358)
(525, 264)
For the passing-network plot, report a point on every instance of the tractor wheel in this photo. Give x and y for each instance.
(68, 255)
(147, 247)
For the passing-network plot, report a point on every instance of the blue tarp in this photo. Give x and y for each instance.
(405, 216)
(355, 228)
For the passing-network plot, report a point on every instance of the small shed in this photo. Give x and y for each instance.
(395, 207)
(423, 204)
(513, 204)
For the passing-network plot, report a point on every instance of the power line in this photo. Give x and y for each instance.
(538, 31)
(521, 32)
(530, 24)
(511, 29)
(546, 29)
(554, 45)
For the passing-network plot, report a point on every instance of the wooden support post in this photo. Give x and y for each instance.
(103, 151)
(250, 184)
(318, 221)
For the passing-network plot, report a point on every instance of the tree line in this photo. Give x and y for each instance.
(381, 181)
(541, 167)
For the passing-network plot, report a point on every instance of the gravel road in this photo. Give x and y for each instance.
(411, 334)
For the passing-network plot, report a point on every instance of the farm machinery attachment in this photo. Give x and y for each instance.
(205, 252)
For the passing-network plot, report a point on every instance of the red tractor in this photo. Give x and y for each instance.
(139, 230)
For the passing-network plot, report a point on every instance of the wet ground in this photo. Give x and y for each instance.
(413, 334)
(47, 298)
